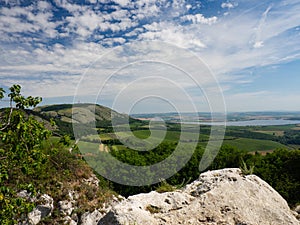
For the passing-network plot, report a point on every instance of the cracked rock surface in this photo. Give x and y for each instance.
(218, 197)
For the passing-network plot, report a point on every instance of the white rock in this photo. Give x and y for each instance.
(42, 210)
(91, 218)
(217, 197)
(24, 194)
(297, 209)
(35, 216)
(47, 205)
(92, 181)
(73, 195)
(68, 220)
(66, 207)
(107, 206)
(72, 222)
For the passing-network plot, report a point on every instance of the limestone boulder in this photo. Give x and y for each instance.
(219, 197)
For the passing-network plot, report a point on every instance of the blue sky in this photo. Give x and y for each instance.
(60, 49)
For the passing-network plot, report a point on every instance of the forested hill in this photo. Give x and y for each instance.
(65, 114)
(84, 113)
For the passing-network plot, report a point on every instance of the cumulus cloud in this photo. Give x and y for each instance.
(122, 2)
(228, 5)
(114, 41)
(199, 18)
(169, 32)
(57, 69)
(34, 19)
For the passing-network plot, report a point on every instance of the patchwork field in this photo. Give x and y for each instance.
(250, 139)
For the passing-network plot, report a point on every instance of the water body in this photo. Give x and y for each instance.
(250, 123)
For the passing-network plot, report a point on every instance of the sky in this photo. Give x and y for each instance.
(154, 55)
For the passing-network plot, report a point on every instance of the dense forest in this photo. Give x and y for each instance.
(37, 159)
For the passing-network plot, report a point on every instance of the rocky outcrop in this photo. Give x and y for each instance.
(217, 197)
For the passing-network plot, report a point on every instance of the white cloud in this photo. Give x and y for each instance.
(228, 5)
(86, 21)
(22, 20)
(83, 24)
(147, 9)
(199, 18)
(93, 1)
(72, 8)
(122, 2)
(259, 29)
(230, 42)
(258, 44)
(56, 70)
(172, 33)
(43, 5)
(135, 32)
(114, 41)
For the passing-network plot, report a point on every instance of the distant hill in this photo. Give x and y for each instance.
(66, 114)
(82, 113)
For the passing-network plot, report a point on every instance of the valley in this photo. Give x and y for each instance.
(247, 138)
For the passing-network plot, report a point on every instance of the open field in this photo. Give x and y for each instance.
(272, 132)
(250, 139)
(251, 145)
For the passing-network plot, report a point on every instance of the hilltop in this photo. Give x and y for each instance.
(66, 115)
(83, 113)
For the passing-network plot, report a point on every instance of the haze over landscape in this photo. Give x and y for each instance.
(251, 47)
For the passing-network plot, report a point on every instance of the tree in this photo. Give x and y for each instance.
(21, 136)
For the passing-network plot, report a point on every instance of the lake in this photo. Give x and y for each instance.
(250, 122)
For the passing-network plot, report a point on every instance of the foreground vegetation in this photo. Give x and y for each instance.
(32, 159)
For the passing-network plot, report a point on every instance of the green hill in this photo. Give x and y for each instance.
(65, 115)
(82, 113)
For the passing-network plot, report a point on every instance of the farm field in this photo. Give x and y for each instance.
(250, 139)
(252, 145)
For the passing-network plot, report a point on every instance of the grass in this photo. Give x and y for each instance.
(271, 132)
(170, 135)
(61, 173)
(251, 145)
(153, 209)
(296, 128)
(273, 128)
(88, 147)
(164, 186)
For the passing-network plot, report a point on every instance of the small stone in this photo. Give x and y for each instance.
(44, 209)
(297, 209)
(91, 218)
(66, 207)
